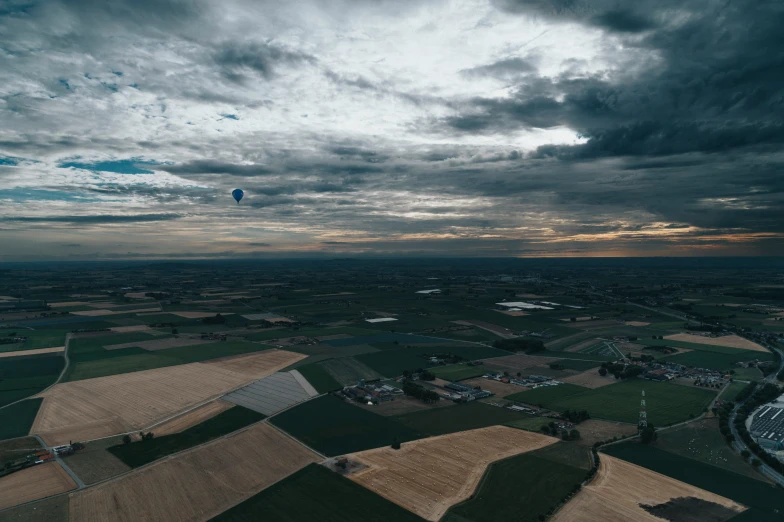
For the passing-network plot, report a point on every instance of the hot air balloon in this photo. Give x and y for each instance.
(237, 193)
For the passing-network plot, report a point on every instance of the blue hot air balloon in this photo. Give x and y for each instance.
(237, 193)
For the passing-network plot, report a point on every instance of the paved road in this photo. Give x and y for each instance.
(65, 467)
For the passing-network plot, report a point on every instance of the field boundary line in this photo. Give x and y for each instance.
(59, 378)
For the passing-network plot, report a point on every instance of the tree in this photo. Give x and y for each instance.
(602, 371)
(574, 434)
(174, 331)
(126, 439)
(745, 454)
(756, 462)
(395, 443)
(648, 434)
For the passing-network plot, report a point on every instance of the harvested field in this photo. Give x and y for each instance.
(637, 323)
(30, 484)
(93, 408)
(94, 463)
(196, 315)
(501, 389)
(729, 341)
(513, 313)
(620, 487)
(32, 352)
(516, 362)
(273, 393)
(429, 476)
(590, 379)
(593, 430)
(191, 418)
(68, 304)
(161, 344)
(133, 328)
(198, 484)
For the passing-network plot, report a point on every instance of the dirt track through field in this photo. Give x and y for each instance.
(161, 344)
(42, 480)
(430, 475)
(728, 341)
(198, 484)
(620, 487)
(93, 408)
(32, 352)
(191, 418)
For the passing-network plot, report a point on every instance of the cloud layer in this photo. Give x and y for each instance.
(465, 127)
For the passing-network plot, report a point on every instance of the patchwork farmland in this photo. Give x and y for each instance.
(235, 397)
(104, 406)
(198, 484)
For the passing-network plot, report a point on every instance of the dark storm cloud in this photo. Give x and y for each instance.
(95, 219)
(201, 167)
(237, 60)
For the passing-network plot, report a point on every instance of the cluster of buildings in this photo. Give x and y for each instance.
(530, 381)
(462, 392)
(370, 392)
(766, 427)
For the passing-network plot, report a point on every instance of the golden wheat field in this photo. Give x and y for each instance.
(618, 489)
(428, 476)
(198, 484)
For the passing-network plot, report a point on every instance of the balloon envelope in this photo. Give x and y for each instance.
(237, 193)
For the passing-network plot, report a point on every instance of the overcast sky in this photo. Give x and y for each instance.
(466, 127)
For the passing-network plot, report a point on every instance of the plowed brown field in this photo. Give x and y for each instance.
(42, 480)
(620, 487)
(198, 484)
(92, 408)
(428, 476)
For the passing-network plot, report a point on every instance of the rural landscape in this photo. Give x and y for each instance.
(393, 390)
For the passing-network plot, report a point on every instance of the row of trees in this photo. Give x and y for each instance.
(520, 345)
(413, 389)
(762, 395)
(620, 371)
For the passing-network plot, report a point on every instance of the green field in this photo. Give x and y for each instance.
(35, 339)
(603, 349)
(702, 441)
(546, 394)
(319, 378)
(580, 366)
(316, 493)
(575, 355)
(348, 370)
(279, 333)
(333, 427)
(439, 421)
(23, 376)
(529, 423)
(391, 363)
(747, 374)
(95, 463)
(144, 451)
(16, 420)
(732, 391)
(666, 403)
(457, 372)
(89, 359)
(520, 488)
(766, 502)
